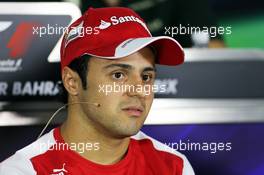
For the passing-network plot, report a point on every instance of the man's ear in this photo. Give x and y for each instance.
(71, 81)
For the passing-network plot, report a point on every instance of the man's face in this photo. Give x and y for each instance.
(124, 109)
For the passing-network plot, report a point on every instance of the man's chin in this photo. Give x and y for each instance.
(127, 133)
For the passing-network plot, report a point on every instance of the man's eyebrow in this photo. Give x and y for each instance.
(125, 66)
(150, 69)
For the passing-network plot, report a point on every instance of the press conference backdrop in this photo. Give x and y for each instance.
(215, 101)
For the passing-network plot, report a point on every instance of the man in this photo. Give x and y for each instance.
(101, 134)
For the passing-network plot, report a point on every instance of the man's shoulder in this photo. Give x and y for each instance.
(149, 144)
(20, 163)
(152, 143)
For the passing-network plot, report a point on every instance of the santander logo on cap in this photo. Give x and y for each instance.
(114, 20)
(104, 25)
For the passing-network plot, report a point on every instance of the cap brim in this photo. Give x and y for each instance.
(169, 51)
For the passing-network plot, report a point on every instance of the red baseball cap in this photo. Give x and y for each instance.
(113, 33)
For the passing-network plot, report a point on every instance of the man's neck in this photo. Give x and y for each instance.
(102, 149)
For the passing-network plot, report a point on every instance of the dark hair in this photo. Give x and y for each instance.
(79, 65)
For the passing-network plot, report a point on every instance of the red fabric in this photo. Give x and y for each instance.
(141, 159)
(123, 24)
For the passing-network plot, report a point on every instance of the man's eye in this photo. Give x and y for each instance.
(118, 75)
(146, 78)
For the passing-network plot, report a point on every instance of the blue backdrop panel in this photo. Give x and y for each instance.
(246, 156)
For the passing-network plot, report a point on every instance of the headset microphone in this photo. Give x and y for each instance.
(58, 110)
(96, 104)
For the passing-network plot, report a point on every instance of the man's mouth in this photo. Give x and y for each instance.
(134, 110)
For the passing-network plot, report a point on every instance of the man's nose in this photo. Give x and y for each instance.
(136, 87)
